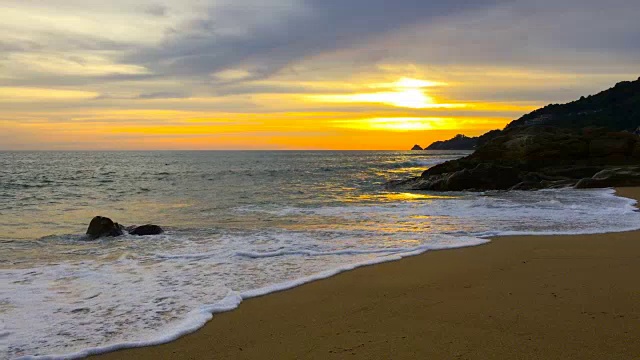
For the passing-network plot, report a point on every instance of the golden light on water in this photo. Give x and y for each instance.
(393, 196)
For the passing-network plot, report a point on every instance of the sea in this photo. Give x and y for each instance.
(238, 224)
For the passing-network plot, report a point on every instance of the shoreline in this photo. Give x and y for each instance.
(372, 311)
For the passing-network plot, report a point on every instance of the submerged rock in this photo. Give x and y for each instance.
(146, 230)
(101, 226)
(104, 227)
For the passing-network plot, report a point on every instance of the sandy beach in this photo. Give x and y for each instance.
(518, 297)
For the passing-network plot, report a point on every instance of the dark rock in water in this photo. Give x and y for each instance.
(528, 185)
(416, 147)
(484, 176)
(615, 177)
(573, 172)
(104, 227)
(147, 230)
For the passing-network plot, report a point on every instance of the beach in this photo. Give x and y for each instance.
(517, 297)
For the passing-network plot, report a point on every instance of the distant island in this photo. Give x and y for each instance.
(590, 142)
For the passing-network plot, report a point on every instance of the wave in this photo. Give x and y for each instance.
(268, 254)
(422, 162)
(197, 318)
(201, 273)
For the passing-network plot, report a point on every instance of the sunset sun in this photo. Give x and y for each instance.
(405, 93)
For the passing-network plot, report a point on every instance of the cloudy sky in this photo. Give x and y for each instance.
(297, 74)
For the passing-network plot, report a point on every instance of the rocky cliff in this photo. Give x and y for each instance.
(590, 142)
(535, 157)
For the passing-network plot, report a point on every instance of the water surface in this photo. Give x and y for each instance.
(238, 224)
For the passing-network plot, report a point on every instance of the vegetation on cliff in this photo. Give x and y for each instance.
(617, 109)
(462, 142)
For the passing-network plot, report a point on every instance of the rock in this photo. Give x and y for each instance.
(416, 147)
(557, 184)
(103, 227)
(613, 145)
(485, 176)
(412, 183)
(537, 157)
(614, 177)
(527, 185)
(147, 230)
(573, 172)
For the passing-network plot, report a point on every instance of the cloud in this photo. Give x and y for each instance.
(21, 94)
(163, 95)
(279, 57)
(574, 35)
(271, 35)
(156, 10)
(245, 40)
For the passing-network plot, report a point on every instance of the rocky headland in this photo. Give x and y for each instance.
(463, 142)
(584, 144)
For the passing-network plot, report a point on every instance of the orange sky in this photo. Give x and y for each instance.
(392, 115)
(192, 74)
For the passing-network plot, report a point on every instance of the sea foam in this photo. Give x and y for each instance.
(135, 292)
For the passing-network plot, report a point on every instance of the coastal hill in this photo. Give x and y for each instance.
(585, 143)
(463, 142)
(617, 108)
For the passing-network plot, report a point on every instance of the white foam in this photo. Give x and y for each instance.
(267, 254)
(133, 293)
(195, 319)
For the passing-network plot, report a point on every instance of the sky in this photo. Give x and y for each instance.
(297, 74)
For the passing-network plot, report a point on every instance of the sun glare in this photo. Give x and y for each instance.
(398, 124)
(409, 83)
(409, 98)
(405, 92)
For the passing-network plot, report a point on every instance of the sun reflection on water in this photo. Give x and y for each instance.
(397, 196)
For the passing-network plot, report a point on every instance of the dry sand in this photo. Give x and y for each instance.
(519, 297)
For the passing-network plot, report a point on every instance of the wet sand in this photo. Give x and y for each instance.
(518, 297)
